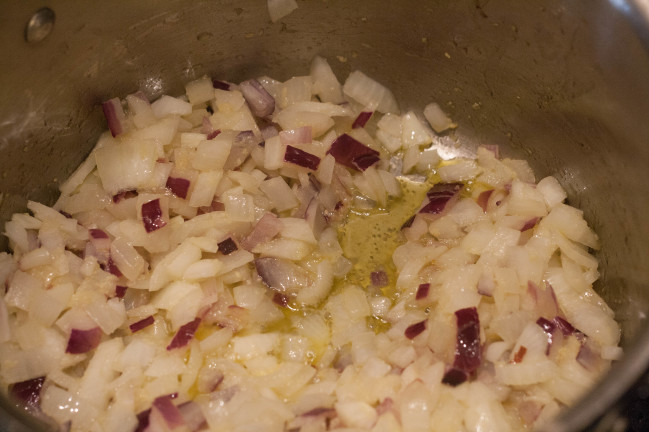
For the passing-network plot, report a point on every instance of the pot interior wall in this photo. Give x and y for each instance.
(562, 84)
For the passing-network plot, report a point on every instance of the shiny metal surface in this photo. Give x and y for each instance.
(564, 84)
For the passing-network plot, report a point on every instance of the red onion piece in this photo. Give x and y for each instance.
(221, 85)
(215, 206)
(467, 350)
(320, 411)
(192, 416)
(96, 233)
(178, 186)
(242, 145)
(152, 215)
(124, 195)
(300, 157)
(588, 358)
(422, 291)
(261, 103)
(379, 278)
(520, 354)
(486, 286)
(28, 393)
(111, 268)
(529, 224)
(213, 134)
(439, 197)
(544, 299)
(169, 411)
(209, 379)
(143, 420)
(268, 132)
(444, 189)
(143, 323)
(483, 199)
(281, 274)
(267, 228)
(227, 246)
(206, 126)
(301, 135)
(385, 406)
(184, 334)
(566, 328)
(82, 341)
(408, 223)
(352, 153)
(362, 119)
(120, 291)
(66, 214)
(529, 411)
(415, 329)
(280, 299)
(454, 377)
(115, 116)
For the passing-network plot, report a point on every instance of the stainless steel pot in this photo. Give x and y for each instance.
(564, 84)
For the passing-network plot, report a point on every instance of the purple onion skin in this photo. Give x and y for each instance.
(422, 291)
(82, 341)
(454, 377)
(261, 103)
(184, 334)
(362, 119)
(169, 411)
(415, 329)
(178, 186)
(227, 246)
(300, 157)
(28, 393)
(96, 233)
(141, 324)
(468, 355)
(152, 216)
(353, 154)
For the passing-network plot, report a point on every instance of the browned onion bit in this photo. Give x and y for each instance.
(520, 354)
(152, 215)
